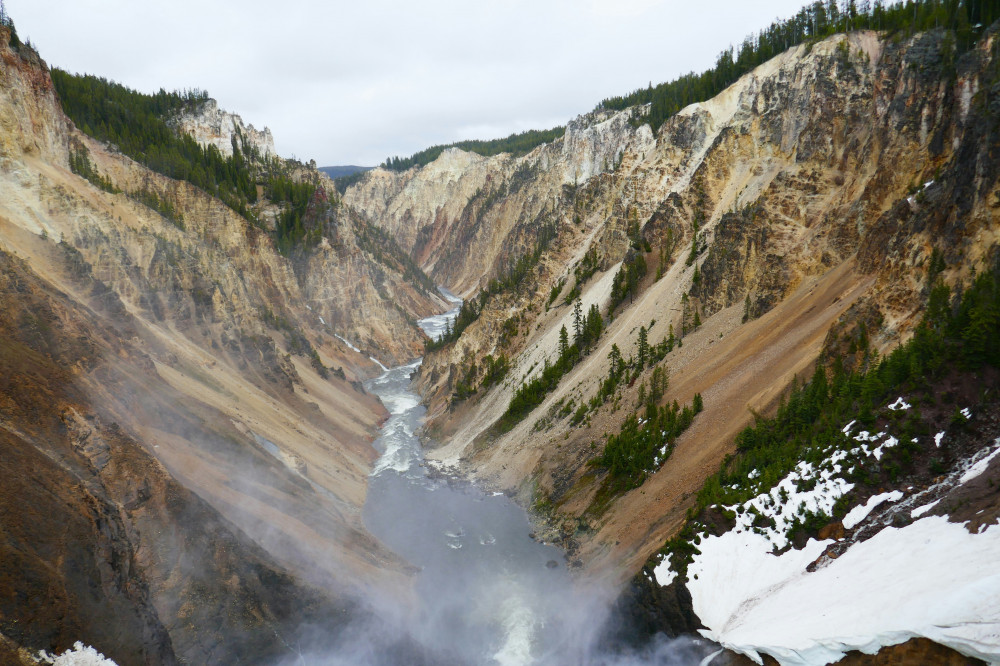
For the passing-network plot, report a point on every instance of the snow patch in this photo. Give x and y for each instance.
(785, 504)
(664, 574)
(921, 510)
(860, 512)
(937, 439)
(349, 345)
(900, 404)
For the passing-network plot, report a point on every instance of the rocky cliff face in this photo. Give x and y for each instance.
(211, 126)
(179, 411)
(822, 179)
(101, 542)
(465, 218)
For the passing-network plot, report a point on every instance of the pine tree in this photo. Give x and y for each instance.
(643, 347)
(578, 322)
(614, 361)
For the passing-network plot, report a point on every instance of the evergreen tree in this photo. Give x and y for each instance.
(578, 322)
(615, 361)
(643, 347)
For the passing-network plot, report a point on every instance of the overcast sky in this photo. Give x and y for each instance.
(355, 82)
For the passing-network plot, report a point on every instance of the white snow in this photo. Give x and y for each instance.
(664, 574)
(785, 503)
(379, 363)
(921, 510)
(899, 404)
(860, 512)
(937, 439)
(931, 578)
(322, 321)
(966, 413)
(79, 655)
(978, 468)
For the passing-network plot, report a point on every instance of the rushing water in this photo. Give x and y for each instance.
(487, 593)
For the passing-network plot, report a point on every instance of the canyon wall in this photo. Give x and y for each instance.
(810, 194)
(180, 415)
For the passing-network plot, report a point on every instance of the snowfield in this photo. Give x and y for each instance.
(931, 578)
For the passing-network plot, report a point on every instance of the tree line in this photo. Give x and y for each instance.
(967, 18)
(531, 393)
(517, 144)
(137, 124)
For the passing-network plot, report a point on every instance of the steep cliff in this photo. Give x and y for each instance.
(178, 399)
(211, 126)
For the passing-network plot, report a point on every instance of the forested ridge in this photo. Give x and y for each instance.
(967, 18)
(138, 125)
(517, 144)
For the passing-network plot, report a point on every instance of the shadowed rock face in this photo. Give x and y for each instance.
(100, 543)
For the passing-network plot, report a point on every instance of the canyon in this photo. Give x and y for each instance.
(188, 414)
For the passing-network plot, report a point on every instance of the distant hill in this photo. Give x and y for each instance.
(339, 171)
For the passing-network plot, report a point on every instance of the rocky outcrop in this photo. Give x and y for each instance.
(211, 126)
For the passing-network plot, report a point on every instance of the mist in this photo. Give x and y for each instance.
(484, 590)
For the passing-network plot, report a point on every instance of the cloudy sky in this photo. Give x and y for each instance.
(354, 82)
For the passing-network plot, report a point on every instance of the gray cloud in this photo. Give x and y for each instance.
(354, 82)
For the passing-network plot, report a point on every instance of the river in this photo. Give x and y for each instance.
(487, 592)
